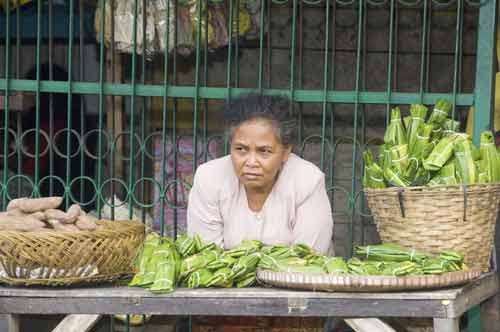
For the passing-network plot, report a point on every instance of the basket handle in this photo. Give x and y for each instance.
(401, 205)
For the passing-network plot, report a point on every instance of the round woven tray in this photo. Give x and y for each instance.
(353, 283)
(55, 258)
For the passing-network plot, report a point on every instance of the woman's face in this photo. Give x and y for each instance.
(257, 154)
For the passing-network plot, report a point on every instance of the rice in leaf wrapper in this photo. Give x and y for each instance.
(441, 153)
(223, 277)
(301, 250)
(394, 179)
(246, 280)
(389, 252)
(440, 112)
(336, 265)
(277, 251)
(373, 176)
(489, 157)
(199, 278)
(384, 156)
(197, 261)
(186, 246)
(395, 132)
(399, 158)
(450, 127)
(150, 244)
(246, 264)
(422, 146)
(447, 175)
(417, 118)
(246, 247)
(223, 261)
(165, 280)
(465, 161)
(160, 254)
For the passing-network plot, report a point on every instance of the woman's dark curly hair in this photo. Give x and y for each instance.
(277, 109)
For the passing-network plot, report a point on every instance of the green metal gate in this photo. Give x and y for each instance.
(344, 62)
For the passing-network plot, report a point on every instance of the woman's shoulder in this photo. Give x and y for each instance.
(300, 177)
(215, 173)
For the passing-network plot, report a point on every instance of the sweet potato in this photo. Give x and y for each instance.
(64, 217)
(86, 223)
(14, 204)
(39, 204)
(21, 224)
(38, 215)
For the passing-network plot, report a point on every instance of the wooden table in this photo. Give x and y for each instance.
(444, 306)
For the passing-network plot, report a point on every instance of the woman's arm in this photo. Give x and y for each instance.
(203, 215)
(313, 220)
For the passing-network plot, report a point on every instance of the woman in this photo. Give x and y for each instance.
(261, 191)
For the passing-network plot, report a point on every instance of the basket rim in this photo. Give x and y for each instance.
(112, 227)
(441, 189)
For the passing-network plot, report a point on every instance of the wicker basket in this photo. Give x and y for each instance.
(55, 258)
(432, 219)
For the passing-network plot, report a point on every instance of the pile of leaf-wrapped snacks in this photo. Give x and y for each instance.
(163, 264)
(419, 151)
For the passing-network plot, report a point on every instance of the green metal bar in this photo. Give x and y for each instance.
(36, 190)
(458, 45)
(389, 63)
(332, 106)
(483, 91)
(174, 115)
(350, 230)
(102, 22)
(261, 45)
(269, 44)
(300, 124)
(229, 51)
(145, 3)
(132, 109)
(82, 110)
(197, 89)
(166, 38)
(18, 75)
(325, 84)
(51, 99)
(292, 49)
(237, 46)
(474, 319)
(70, 99)
(205, 83)
(6, 104)
(423, 51)
(178, 91)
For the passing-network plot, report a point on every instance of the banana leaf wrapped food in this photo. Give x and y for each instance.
(151, 242)
(441, 153)
(440, 112)
(199, 278)
(246, 264)
(450, 127)
(422, 146)
(389, 252)
(223, 277)
(165, 280)
(490, 162)
(417, 119)
(400, 268)
(373, 176)
(222, 261)
(187, 246)
(384, 156)
(246, 280)
(395, 133)
(160, 254)
(447, 175)
(197, 262)
(246, 247)
(336, 265)
(465, 161)
(399, 157)
(395, 179)
(277, 251)
(301, 250)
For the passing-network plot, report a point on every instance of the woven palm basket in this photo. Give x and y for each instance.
(433, 219)
(55, 258)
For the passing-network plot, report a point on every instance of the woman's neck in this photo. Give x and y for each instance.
(256, 197)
